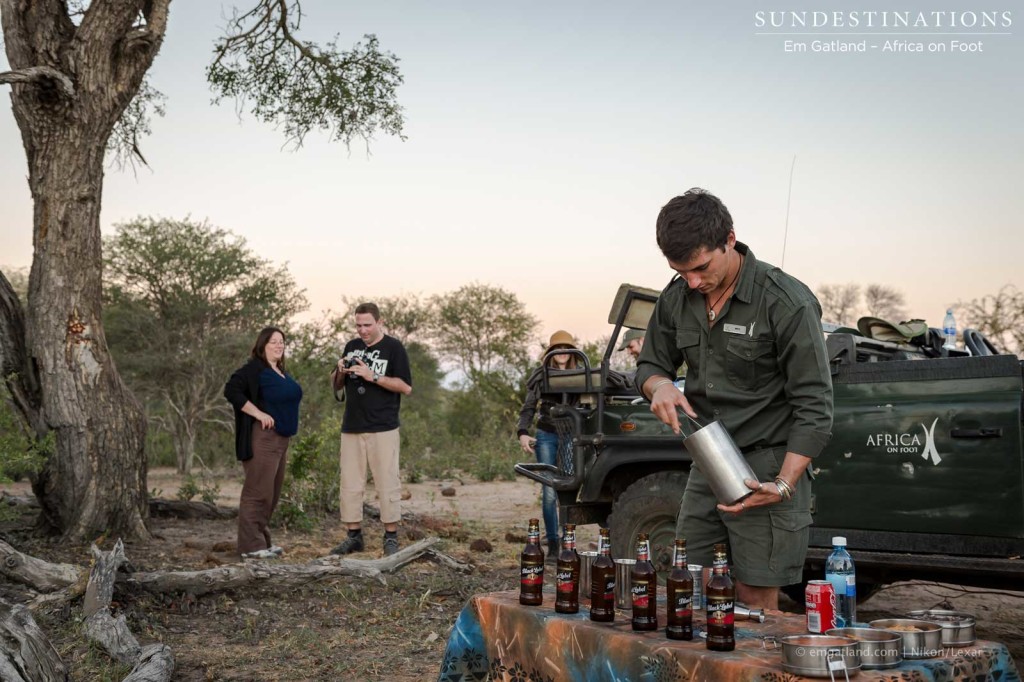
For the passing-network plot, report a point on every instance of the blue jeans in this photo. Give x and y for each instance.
(547, 451)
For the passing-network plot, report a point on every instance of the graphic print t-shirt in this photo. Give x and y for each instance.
(375, 409)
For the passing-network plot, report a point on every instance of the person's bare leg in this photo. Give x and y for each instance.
(757, 597)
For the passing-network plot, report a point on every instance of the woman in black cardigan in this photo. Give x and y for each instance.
(266, 403)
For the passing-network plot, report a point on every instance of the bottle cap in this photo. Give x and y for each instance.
(839, 541)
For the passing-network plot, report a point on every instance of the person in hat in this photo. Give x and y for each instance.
(633, 341)
(751, 337)
(546, 443)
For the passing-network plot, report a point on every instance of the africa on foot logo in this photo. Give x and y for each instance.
(908, 443)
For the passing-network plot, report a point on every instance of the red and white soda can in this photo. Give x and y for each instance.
(820, 604)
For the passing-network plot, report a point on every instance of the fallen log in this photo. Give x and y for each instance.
(26, 654)
(42, 576)
(112, 634)
(250, 573)
(18, 500)
(181, 509)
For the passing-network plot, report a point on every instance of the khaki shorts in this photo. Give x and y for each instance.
(380, 452)
(767, 545)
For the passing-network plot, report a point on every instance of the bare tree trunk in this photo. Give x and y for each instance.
(69, 86)
(96, 480)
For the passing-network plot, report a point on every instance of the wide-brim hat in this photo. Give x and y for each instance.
(561, 338)
(630, 335)
(884, 330)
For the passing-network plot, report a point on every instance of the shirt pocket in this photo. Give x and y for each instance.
(688, 342)
(750, 363)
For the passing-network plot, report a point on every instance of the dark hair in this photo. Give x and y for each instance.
(259, 349)
(695, 220)
(371, 308)
(572, 364)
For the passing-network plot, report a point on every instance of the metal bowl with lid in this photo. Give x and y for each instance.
(957, 627)
(820, 656)
(921, 638)
(878, 649)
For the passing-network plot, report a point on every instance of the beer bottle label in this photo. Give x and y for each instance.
(532, 575)
(641, 596)
(609, 587)
(563, 580)
(720, 611)
(681, 605)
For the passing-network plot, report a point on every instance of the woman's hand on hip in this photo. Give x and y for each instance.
(265, 420)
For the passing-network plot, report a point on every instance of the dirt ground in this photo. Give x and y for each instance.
(348, 628)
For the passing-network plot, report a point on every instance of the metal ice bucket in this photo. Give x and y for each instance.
(623, 582)
(586, 563)
(721, 462)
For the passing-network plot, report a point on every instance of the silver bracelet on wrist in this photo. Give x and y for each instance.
(659, 384)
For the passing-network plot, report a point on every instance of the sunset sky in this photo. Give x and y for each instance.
(544, 137)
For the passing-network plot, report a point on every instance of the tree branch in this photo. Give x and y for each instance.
(36, 75)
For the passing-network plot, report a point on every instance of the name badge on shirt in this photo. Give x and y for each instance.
(734, 329)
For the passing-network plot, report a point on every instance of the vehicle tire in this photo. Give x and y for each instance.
(650, 505)
(865, 590)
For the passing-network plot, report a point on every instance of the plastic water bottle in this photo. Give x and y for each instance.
(839, 571)
(949, 330)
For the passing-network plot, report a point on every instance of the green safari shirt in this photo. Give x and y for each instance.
(762, 369)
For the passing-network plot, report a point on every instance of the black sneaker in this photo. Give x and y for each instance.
(390, 545)
(349, 545)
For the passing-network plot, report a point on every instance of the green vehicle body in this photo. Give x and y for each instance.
(924, 474)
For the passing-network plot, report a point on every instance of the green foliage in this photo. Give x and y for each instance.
(21, 455)
(312, 485)
(300, 86)
(184, 301)
(205, 488)
(484, 330)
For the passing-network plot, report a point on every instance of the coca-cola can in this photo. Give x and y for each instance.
(820, 605)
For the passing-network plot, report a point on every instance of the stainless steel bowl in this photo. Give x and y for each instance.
(923, 641)
(811, 655)
(957, 627)
(878, 649)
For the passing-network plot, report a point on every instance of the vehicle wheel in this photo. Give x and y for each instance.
(650, 505)
(865, 590)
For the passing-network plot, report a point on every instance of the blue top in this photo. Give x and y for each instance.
(281, 397)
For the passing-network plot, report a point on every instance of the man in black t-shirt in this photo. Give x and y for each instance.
(374, 372)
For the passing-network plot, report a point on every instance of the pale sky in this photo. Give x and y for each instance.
(544, 137)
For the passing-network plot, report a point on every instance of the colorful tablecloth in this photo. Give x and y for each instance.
(495, 638)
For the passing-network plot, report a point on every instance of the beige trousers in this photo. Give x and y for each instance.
(380, 451)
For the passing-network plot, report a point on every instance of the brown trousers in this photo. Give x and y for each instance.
(264, 475)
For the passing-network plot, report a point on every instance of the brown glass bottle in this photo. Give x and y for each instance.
(531, 568)
(644, 587)
(567, 573)
(721, 599)
(679, 590)
(602, 581)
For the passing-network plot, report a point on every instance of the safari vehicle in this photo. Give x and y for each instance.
(924, 474)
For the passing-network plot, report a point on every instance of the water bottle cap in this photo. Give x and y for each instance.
(839, 541)
(949, 311)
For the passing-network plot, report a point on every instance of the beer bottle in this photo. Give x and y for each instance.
(644, 587)
(602, 582)
(567, 573)
(679, 589)
(531, 567)
(721, 598)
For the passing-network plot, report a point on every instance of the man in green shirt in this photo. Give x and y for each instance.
(751, 338)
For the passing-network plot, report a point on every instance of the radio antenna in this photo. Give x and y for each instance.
(789, 200)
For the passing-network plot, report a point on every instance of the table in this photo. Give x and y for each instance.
(496, 639)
